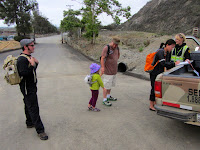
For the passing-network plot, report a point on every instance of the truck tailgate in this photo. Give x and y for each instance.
(182, 91)
(189, 117)
(175, 113)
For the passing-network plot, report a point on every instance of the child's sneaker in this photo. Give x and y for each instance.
(111, 99)
(96, 109)
(107, 103)
(90, 108)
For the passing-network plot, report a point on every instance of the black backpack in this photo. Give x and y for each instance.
(108, 52)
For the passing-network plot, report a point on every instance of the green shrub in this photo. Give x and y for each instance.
(141, 49)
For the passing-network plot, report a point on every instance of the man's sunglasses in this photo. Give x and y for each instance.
(31, 45)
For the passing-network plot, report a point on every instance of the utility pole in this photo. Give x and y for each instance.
(93, 36)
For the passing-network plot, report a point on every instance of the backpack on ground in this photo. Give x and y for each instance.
(108, 52)
(149, 60)
(88, 79)
(10, 66)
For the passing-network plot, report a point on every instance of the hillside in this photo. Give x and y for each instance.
(166, 16)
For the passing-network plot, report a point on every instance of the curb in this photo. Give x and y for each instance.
(140, 76)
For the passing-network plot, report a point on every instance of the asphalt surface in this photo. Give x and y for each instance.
(63, 99)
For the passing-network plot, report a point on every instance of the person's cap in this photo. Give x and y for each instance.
(25, 42)
(94, 68)
(116, 40)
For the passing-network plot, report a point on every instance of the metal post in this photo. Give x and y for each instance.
(195, 31)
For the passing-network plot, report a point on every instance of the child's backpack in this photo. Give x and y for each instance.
(88, 79)
(149, 60)
(10, 66)
(108, 52)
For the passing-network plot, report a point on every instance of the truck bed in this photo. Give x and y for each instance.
(182, 71)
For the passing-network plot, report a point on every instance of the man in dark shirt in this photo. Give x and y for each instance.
(27, 66)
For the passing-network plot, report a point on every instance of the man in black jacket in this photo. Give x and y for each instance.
(27, 69)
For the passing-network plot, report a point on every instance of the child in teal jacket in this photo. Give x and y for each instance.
(97, 82)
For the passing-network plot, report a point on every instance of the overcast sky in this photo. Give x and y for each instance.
(53, 10)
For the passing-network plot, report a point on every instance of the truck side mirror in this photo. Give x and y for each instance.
(197, 48)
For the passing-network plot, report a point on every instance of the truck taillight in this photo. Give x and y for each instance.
(158, 89)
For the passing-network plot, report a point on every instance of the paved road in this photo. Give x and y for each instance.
(63, 98)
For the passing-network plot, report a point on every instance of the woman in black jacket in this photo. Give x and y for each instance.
(163, 57)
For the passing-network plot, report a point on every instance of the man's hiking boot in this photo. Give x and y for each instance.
(111, 98)
(107, 103)
(30, 126)
(43, 136)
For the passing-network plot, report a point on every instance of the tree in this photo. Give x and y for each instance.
(19, 12)
(70, 22)
(93, 8)
(91, 24)
(41, 25)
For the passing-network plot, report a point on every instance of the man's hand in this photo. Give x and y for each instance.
(32, 61)
(35, 60)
